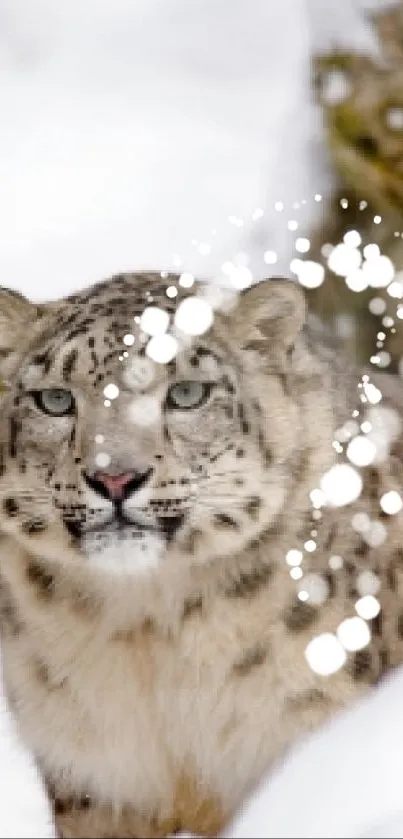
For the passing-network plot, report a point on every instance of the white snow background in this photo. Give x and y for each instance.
(129, 133)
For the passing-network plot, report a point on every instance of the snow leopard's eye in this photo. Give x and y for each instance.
(54, 401)
(187, 394)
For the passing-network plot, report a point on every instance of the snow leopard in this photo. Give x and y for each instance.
(162, 519)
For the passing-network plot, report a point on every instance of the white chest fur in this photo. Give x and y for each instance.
(124, 717)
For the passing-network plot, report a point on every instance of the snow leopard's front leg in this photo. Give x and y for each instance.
(81, 817)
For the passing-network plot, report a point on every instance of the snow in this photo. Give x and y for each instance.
(343, 781)
(129, 130)
(24, 811)
(135, 135)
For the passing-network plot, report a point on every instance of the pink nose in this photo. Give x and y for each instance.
(114, 484)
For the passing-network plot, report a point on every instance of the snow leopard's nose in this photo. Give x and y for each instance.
(117, 487)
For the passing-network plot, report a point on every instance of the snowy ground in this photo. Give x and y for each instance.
(345, 781)
(130, 134)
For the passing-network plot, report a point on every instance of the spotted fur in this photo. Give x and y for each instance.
(153, 648)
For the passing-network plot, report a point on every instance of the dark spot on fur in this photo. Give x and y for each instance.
(400, 625)
(41, 672)
(360, 666)
(250, 582)
(332, 583)
(34, 526)
(224, 520)
(268, 457)
(15, 427)
(300, 616)
(255, 344)
(306, 699)
(249, 660)
(44, 360)
(377, 625)
(203, 351)
(229, 386)
(362, 549)
(253, 506)
(192, 606)
(372, 483)
(9, 619)
(44, 581)
(84, 803)
(384, 661)
(391, 576)
(11, 507)
(63, 806)
(244, 424)
(330, 538)
(69, 364)
(285, 382)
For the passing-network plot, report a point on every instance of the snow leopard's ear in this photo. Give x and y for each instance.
(18, 319)
(270, 313)
(16, 313)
